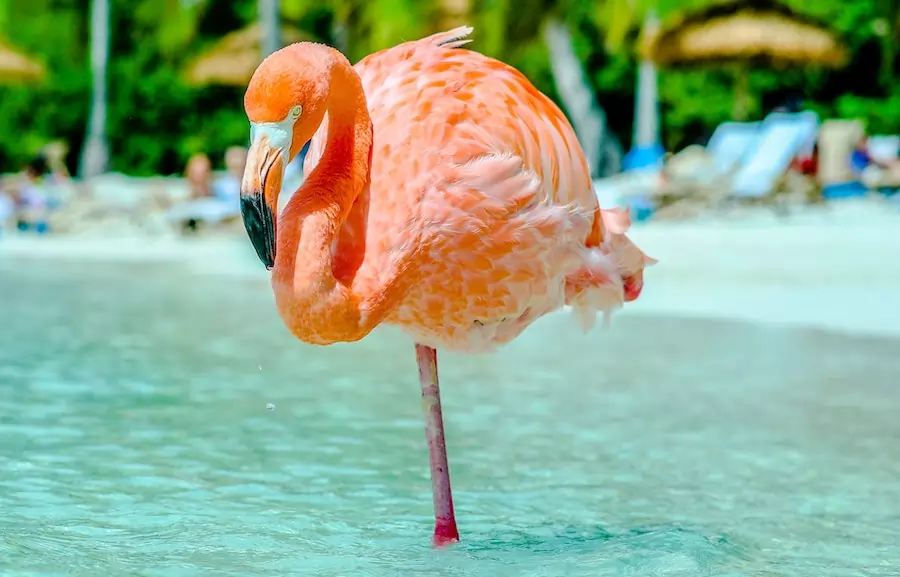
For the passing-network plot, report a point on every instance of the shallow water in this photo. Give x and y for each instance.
(135, 439)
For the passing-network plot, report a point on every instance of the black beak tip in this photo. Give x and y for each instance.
(260, 224)
(268, 260)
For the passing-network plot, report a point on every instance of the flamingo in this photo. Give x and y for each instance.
(443, 194)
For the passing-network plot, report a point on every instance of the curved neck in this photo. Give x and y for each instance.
(337, 187)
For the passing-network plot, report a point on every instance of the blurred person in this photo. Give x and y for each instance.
(792, 104)
(859, 156)
(55, 176)
(211, 202)
(7, 206)
(874, 173)
(198, 174)
(31, 200)
(55, 155)
(808, 164)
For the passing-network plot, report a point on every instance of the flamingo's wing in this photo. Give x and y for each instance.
(464, 144)
(376, 72)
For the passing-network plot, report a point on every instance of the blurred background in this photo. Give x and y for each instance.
(149, 88)
(739, 419)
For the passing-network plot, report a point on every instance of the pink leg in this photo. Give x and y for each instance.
(445, 531)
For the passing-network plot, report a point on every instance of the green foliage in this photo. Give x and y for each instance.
(693, 102)
(58, 106)
(880, 115)
(492, 19)
(148, 112)
(30, 117)
(155, 121)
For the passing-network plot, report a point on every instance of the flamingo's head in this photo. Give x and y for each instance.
(285, 103)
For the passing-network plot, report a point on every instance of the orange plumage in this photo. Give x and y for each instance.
(444, 194)
(466, 148)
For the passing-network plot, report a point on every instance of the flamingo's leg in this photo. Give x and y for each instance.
(445, 531)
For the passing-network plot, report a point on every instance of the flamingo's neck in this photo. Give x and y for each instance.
(312, 254)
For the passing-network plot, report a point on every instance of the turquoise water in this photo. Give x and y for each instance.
(154, 421)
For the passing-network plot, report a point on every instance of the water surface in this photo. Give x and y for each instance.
(137, 437)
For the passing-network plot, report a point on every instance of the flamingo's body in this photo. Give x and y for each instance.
(467, 147)
(444, 194)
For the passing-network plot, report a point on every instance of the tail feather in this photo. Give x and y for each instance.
(610, 274)
(454, 38)
(597, 286)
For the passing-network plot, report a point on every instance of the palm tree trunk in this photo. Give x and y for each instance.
(453, 13)
(741, 110)
(889, 35)
(271, 30)
(95, 156)
(646, 121)
(602, 149)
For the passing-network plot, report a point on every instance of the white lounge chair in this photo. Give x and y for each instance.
(696, 172)
(731, 143)
(696, 169)
(782, 137)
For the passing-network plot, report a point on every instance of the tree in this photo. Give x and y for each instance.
(95, 157)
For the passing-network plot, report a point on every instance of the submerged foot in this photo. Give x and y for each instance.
(445, 533)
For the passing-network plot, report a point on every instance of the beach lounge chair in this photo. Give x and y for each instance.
(730, 144)
(697, 169)
(762, 176)
(746, 162)
(743, 162)
(692, 172)
(697, 174)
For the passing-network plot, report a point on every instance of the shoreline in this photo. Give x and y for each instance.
(832, 269)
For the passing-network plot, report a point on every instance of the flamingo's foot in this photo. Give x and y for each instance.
(445, 533)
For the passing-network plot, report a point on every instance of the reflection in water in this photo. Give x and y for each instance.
(137, 439)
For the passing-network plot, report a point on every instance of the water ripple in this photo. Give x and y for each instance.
(136, 441)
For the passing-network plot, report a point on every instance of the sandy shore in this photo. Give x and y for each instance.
(832, 268)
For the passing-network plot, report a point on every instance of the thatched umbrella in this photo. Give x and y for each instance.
(744, 33)
(234, 57)
(17, 67)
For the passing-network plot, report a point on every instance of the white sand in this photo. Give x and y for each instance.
(833, 268)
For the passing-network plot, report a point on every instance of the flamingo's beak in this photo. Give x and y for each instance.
(259, 196)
